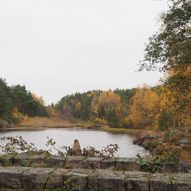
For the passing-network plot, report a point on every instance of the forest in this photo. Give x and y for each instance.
(16, 102)
(139, 108)
(130, 108)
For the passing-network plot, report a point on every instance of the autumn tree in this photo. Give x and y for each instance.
(176, 100)
(108, 107)
(169, 50)
(144, 108)
(77, 105)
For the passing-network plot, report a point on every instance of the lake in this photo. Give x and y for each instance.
(86, 137)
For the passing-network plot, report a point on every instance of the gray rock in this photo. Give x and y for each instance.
(93, 163)
(160, 182)
(55, 161)
(184, 142)
(6, 160)
(106, 179)
(30, 159)
(108, 163)
(56, 180)
(38, 161)
(76, 179)
(181, 182)
(35, 178)
(74, 162)
(168, 167)
(127, 164)
(22, 159)
(11, 177)
(136, 181)
(184, 166)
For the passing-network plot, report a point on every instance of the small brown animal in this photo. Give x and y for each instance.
(76, 148)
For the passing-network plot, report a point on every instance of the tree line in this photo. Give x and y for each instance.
(130, 108)
(16, 101)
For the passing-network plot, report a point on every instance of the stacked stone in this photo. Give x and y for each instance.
(41, 171)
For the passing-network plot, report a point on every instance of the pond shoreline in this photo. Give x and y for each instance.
(40, 123)
(133, 132)
(43, 122)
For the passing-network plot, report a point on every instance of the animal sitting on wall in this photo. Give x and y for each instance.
(76, 150)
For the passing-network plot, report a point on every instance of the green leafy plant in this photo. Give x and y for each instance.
(163, 154)
(151, 164)
(25, 163)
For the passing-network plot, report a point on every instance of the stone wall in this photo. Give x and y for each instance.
(28, 178)
(41, 171)
(70, 162)
(55, 161)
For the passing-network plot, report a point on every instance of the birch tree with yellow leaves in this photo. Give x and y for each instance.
(108, 107)
(169, 50)
(145, 108)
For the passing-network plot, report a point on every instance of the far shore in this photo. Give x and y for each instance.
(40, 123)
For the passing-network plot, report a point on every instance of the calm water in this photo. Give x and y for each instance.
(86, 137)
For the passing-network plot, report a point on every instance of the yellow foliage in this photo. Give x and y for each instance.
(107, 106)
(176, 97)
(108, 101)
(78, 106)
(145, 107)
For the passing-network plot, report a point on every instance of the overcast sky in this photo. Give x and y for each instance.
(58, 47)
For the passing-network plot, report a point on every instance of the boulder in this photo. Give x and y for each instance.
(107, 180)
(35, 178)
(93, 163)
(56, 180)
(160, 182)
(184, 142)
(11, 177)
(184, 166)
(74, 162)
(136, 181)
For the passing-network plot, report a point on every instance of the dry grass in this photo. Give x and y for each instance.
(40, 122)
(53, 122)
(121, 130)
